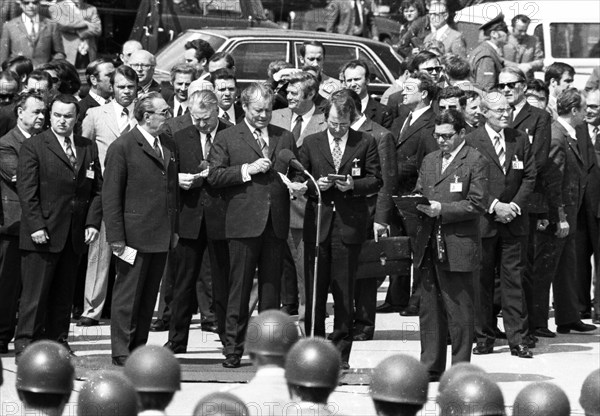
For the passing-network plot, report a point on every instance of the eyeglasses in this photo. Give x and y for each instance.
(448, 107)
(511, 85)
(30, 3)
(432, 69)
(142, 66)
(446, 136)
(164, 113)
(501, 111)
(590, 106)
(339, 125)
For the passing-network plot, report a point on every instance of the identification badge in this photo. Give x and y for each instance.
(517, 164)
(456, 186)
(355, 168)
(90, 174)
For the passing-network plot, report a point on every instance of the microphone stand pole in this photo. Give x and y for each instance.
(316, 269)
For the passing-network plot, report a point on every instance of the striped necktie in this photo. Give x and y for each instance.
(500, 152)
(261, 143)
(70, 153)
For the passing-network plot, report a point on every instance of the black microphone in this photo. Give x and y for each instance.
(287, 157)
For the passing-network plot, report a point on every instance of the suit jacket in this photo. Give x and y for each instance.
(140, 193)
(250, 204)
(486, 64)
(461, 211)
(10, 145)
(454, 42)
(201, 201)
(528, 50)
(177, 123)
(84, 104)
(101, 125)
(379, 113)
(8, 118)
(341, 18)
(514, 186)
(591, 196)
(536, 124)
(56, 196)
(46, 45)
(381, 206)
(411, 148)
(153, 87)
(351, 206)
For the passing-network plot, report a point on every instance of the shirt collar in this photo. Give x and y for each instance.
(418, 113)
(493, 133)
(358, 123)
(212, 134)
(518, 108)
(441, 31)
(119, 108)
(343, 140)
(568, 127)
(494, 46)
(305, 117)
(27, 19)
(27, 135)
(364, 102)
(100, 100)
(149, 138)
(455, 151)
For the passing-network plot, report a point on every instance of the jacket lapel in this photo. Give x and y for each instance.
(56, 148)
(511, 144)
(325, 150)
(195, 143)
(112, 122)
(147, 149)
(249, 138)
(523, 114)
(573, 145)
(80, 153)
(456, 163)
(488, 147)
(415, 127)
(351, 147)
(273, 142)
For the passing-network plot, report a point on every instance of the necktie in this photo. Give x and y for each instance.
(405, 126)
(125, 115)
(445, 161)
(595, 139)
(226, 116)
(32, 30)
(261, 143)
(157, 150)
(207, 146)
(70, 153)
(297, 128)
(336, 154)
(500, 152)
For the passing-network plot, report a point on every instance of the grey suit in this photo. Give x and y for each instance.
(453, 41)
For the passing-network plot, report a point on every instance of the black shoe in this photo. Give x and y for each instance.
(77, 311)
(544, 333)
(576, 326)
(528, 341)
(159, 326)
(410, 310)
(290, 309)
(387, 308)
(119, 361)
(345, 366)
(362, 336)
(499, 334)
(3, 348)
(596, 319)
(483, 348)
(521, 351)
(209, 327)
(176, 348)
(585, 315)
(232, 361)
(85, 321)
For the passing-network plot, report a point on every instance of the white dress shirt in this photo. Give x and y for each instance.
(61, 141)
(151, 139)
(342, 142)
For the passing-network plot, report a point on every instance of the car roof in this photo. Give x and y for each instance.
(551, 11)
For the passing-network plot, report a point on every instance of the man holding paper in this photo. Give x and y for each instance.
(140, 206)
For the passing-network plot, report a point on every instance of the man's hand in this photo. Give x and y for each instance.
(434, 209)
(297, 188)
(40, 236)
(117, 247)
(562, 229)
(91, 233)
(380, 230)
(202, 174)
(324, 183)
(505, 213)
(346, 185)
(542, 224)
(261, 165)
(186, 180)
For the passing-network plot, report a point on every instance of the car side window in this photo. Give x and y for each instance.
(376, 76)
(253, 58)
(575, 40)
(336, 56)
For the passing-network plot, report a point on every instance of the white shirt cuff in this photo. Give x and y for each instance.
(245, 175)
(491, 210)
(515, 206)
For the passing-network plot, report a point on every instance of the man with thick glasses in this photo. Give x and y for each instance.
(505, 225)
(31, 35)
(143, 62)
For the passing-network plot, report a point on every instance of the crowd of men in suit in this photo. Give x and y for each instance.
(219, 202)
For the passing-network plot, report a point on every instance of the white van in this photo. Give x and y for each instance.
(569, 30)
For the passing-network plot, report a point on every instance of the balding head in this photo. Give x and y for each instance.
(129, 47)
(143, 62)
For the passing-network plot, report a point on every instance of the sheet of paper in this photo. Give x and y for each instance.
(128, 255)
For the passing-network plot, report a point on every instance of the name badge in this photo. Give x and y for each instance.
(517, 164)
(355, 168)
(90, 174)
(456, 186)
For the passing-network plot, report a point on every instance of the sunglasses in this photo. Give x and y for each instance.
(432, 69)
(511, 85)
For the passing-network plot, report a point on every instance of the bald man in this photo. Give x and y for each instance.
(129, 47)
(143, 62)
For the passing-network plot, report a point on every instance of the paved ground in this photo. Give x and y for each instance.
(565, 360)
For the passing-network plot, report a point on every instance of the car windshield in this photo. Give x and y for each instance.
(173, 52)
(575, 40)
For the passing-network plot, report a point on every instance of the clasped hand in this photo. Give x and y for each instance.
(261, 165)
(344, 186)
(505, 213)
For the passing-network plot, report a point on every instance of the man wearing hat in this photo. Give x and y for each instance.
(486, 59)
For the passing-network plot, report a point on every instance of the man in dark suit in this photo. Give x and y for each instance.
(144, 63)
(201, 221)
(555, 257)
(225, 86)
(258, 211)
(98, 75)
(504, 227)
(59, 184)
(381, 209)
(31, 111)
(345, 219)
(535, 123)
(414, 139)
(455, 180)
(139, 163)
(356, 78)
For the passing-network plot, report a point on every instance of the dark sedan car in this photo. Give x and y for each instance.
(254, 49)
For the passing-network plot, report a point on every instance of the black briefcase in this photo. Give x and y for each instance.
(390, 255)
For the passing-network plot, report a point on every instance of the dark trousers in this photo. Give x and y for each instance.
(166, 290)
(218, 251)
(510, 255)
(399, 293)
(365, 301)
(555, 263)
(48, 284)
(586, 243)
(10, 286)
(530, 282)
(245, 254)
(446, 307)
(289, 281)
(336, 271)
(134, 297)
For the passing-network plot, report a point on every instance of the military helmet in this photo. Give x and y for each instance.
(313, 362)
(107, 393)
(542, 399)
(271, 333)
(590, 394)
(472, 395)
(45, 367)
(400, 379)
(153, 369)
(221, 404)
(457, 370)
